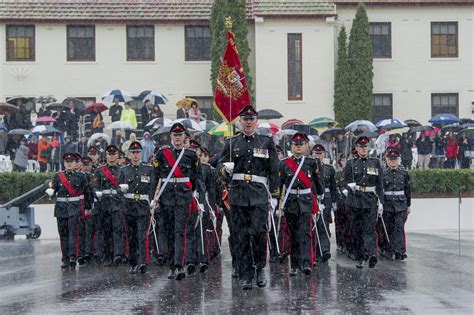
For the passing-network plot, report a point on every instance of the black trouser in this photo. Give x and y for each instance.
(110, 240)
(407, 164)
(176, 221)
(204, 240)
(323, 226)
(231, 238)
(282, 236)
(299, 227)
(92, 232)
(137, 232)
(395, 224)
(67, 229)
(364, 221)
(250, 224)
(341, 225)
(81, 227)
(160, 235)
(43, 167)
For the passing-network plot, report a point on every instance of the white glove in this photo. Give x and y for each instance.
(334, 207)
(229, 167)
(152, 205)
(380, 210)
(274, 203)
(352, 186)
(321, 208)
(123, 187)
(196, 194)
(408, 210)
(98, 194)
(50, 192)
(345, 192)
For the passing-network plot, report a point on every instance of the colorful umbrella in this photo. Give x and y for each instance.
(322, 122)
(222, 130)
(267, 125)
(207, 125)
(45, 119)
(185, 102)
(291, 122)
(155, 97)
(100, 107)
(122, 95)
(369, 126)
(444, 119)
(390, 123)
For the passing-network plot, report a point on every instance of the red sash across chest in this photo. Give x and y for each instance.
(110, 176)
(304, 179)
(67, 184)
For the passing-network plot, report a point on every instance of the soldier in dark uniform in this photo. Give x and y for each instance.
(364, 176)
(397, 204)
(92, 227)
(137, 183)
(110, 242)
(176, 203)
(341, 222)
(253, 162)
(84, 221)
(93, 153)
(299, 204)
(328, 201)
(69, 187)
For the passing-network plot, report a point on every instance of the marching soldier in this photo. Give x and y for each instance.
(397, 205)
(110, 242)
(363, 175)
(69, 187)
(254, 166)
(177, 169)
(137, 182)
(85, 235)
(328, 200)
(300, 179)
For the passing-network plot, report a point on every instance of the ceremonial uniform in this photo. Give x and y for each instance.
(84, 222)
(364, 177)
(254, 178)
(137, 182)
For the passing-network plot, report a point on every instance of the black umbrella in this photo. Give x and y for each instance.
(50, 131)
(332, 131)
(48, 99)
(161, 131)
(369, 134)
(57, 106)
(22, 132)
(79, 104)
(13, 100)
(452, 128)
(421, 128)
(7, 109)
(269, 114)
(463, 121)
(412, 123)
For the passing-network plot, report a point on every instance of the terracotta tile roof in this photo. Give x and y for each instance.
(406, 2)
(148, 10)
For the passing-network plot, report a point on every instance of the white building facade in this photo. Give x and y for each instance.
(82, 51)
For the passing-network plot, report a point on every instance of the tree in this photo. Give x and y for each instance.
(342, 104)
(360, 67)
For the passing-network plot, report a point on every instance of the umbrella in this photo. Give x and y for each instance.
(96, 107)
(189, 124)
(444, 119)
(421, 128)
(291, 122)
(322, 122)
(159, 121)
(19, 132)
(469, 132)
(390, 123)
(397, 131)
(369, 126)
(78, 104)
(12, 100)
(44, 129)
(125, 125)
(7, 109)
(369, 134)
(332, 131)
(207, 125)
(185, 102)
(98, 136)
(45, 119)
(412, 123)
(3, 127)
(155, 97)
(47, 99)
(269, 114)
(49, 131)
(266, 125)
(463, 121)
(222, 130)
(162, 130)
(451, 128)
(57, 106)
(122, 95)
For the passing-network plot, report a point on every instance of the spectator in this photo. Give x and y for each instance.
(360, 129)
(439, 146)
(194, 112)
(43, 111)
(71, 121)
(424, 146)
(21, 118)
(56, 154)
(69, 145)
(329, 145)
(33, 148)
(61, 120)
(393, 141)
(13, 144)
(342, 145)
(33, 117)
(148, 146)
(464, 146)
(128, 115)
(146, 112)
(127, 143)
(117, 139)
(182, 112)
(156, 112)
(21, 157)
(44, 155)
(82, 146)
(451, 150)
(406, 144)
(115, 111)
(3, 141)
(97, 122)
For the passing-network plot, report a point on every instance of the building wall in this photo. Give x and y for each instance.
(411, 75)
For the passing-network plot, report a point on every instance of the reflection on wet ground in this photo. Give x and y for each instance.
(434, 279)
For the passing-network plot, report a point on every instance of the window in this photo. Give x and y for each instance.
(382, 107)
(20, 43)
(205, 104)
(444, 39)
(295, 67)
(381, 38)
(445, 103)
(141, 43)
(197, 43)
(81, 43)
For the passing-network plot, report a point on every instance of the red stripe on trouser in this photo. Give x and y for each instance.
(311, 252)
(147, 241)
(185, 230)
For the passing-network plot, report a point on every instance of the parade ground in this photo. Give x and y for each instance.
(435, 279)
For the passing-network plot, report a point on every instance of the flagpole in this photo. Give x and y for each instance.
(228, 26)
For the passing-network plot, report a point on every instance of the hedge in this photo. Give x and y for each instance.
(432, 181)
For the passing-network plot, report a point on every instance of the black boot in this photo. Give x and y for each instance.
(326, 256)
(171, 274)
(81, 261)
(133, 269)
(143, 268)
(360, 264)
(72, 264)
(190, 268)
(235, 273)
(261, 279)
(372, 261)
(293, 272)
(203, 267)
(118, 260)
(65, 264)
(246, 284)
(180, 274)
(307, 270)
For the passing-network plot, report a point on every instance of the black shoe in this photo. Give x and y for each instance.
(81, 261)
(143, 269)
(87, 258)
(190, 268)
(293, 272)
(160, 261)
(133, 269)
(97, 259)
(235, 273)
(261, 279)
(118, 260)
(246, 284)
(360, 264)
(65, 264)
(171, 274)
(72, 264)
(307, 271)
(326, 256)
(372, 261)
(400, 256)
(180, 274)
(387, 255)
(203, 267)
(107, 263)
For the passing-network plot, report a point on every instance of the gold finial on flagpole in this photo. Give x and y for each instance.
(228, 23)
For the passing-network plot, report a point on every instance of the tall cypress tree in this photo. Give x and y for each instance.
(342, 104)
(360, 65)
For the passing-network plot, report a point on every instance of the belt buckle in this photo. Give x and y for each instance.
(111, 191)
(67, 199)
(248, 177)
(136, 197)
(297, 191)
(362, 188)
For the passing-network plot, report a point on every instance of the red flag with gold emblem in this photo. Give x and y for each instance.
(232, 93)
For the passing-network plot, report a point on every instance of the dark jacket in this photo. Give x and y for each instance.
(111, 200)
(328, 175)
(425, 146)
(141, 181)
(396, 180)
(115, 111)
(80, 184)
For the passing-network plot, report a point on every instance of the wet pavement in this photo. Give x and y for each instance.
(434, 280)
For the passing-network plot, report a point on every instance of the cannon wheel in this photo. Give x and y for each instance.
(9, 232)
(36, 233)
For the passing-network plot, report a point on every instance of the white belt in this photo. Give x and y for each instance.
(250, 178)
(109, 192)
(365, 189)
(395, 193)
(68, 199)
(327, 190)
(137, 197)
(300, 191)
(177, 179)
